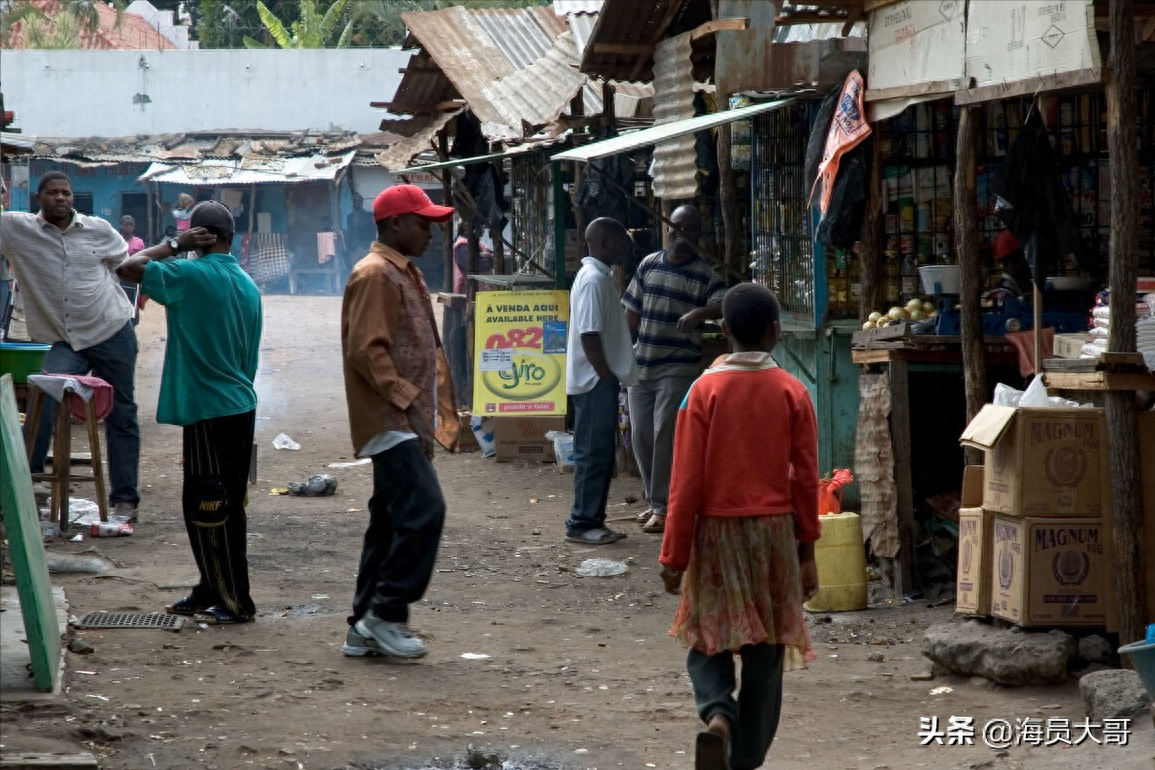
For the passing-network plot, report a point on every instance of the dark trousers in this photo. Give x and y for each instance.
(754, 713)
(406, 515)
(113, 361)
(216, 470)
(595, 431)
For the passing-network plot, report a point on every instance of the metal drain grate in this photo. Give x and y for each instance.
(131, 620)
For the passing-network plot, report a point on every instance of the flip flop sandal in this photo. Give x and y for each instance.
(597, 536)
(710, 752)
(219, 616)
(186, 607)
(656, 525)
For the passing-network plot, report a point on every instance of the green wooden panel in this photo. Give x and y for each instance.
(27, 545)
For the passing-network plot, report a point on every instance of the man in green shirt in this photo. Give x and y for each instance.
(214, 333)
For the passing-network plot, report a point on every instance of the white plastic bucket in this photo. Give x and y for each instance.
(940, 279)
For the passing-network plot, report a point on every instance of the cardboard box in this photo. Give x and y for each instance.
(1070, 345)
(972, 487)
(1049, 572)
(973, 585)
(523, 438)
(1041, 461)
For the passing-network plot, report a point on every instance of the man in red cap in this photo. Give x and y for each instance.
(1016, 278)
(400, 399)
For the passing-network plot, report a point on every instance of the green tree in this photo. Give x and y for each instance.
(375, 23)
(314, 29)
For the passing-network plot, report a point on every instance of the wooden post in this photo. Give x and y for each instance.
(870, 248)
(1122, 431)
(447, 199)
(732, 252)
(970, 267)
(899, 376)
(667, 212)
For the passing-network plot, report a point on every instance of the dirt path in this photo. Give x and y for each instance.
(580, 673)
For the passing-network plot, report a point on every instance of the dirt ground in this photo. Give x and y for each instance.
(580, 672)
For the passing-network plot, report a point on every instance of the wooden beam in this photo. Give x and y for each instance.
(810, 17)
(29, 761)
(931, 88)
(623, 48)
(1122, 421)
(719, 25)
(1034, 85)
(419, 108)
(659, 32)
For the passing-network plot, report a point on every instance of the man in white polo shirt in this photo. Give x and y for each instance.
(599, 360)
(64, 261)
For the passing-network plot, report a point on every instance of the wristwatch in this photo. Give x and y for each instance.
(173, 244)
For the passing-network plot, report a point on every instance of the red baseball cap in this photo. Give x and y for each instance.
(1005, 243)
(408, 199)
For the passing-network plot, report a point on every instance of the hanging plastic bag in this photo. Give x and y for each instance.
(830, 491)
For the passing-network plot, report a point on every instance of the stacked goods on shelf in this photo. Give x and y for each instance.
(1100, 322)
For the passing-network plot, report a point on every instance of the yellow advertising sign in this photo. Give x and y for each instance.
(519, 352)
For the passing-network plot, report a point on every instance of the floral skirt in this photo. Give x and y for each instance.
(743, 586)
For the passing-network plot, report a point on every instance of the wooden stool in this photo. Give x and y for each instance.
(61, 475)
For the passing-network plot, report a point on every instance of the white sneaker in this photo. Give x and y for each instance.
(393, 638)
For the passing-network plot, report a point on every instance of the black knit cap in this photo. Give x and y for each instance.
(214, 215)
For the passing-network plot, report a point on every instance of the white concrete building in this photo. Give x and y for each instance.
(126, 93)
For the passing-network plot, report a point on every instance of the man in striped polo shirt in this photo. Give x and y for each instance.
(672, 292)
(64, 261)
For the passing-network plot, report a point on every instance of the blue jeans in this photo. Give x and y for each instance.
(406, 515)
(113, 361)
(595, 430)
(755, 712)
(653, 415)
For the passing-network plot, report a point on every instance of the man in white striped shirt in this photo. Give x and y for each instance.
(65, 262)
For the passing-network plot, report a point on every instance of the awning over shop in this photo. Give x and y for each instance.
(666, 131)
(219, 171)
(520, 149)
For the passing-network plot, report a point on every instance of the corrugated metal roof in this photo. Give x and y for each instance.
(398, 155)
(469, 52)
(576, 7)
(630, 23)
(582, 26)
(252, 170)
(674, 167)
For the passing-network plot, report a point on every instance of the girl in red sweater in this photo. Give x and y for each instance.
(740, 532)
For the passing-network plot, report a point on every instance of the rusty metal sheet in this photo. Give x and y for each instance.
(397, 157)
(511, 66)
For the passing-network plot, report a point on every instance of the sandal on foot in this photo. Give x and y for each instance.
(656, 525)
(185, 606)
(644, 516)
(217, 615)
(710, 752)
(596, 536)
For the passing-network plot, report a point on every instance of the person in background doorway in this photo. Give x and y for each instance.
(135, 244)
(400, 400)
(461, 258)
(360, 230)
(182, 211)
(1015, 281)
(64, 261)
(210, 363)
(739, 540)
(672, 292)
(128, 233)
(599, 360)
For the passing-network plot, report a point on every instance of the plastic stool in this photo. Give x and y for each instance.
(61, 475)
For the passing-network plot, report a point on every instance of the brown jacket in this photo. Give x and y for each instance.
(392, 355)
